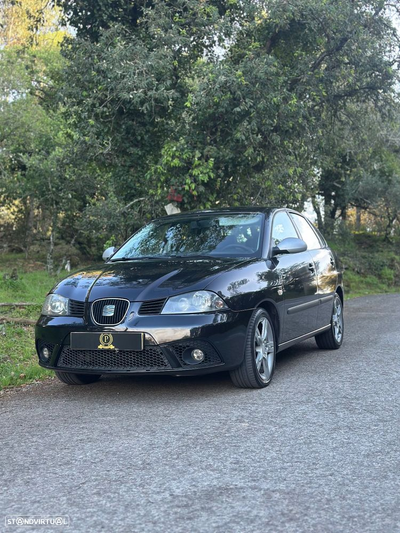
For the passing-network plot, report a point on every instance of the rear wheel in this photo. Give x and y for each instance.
(258, 364)
(333, 338)
(77, 379)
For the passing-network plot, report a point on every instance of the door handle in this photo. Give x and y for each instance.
(311, 268)
(332, 262)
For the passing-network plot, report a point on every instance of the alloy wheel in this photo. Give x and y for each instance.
(264, 349)
(337, 319)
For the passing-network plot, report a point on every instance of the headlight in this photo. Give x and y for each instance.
(193, 302)
(55, 305)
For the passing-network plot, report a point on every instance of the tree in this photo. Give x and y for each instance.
(222, 102)
(358, 163)
(36, 183)
(379, 187)
(33, 23)
(211, 103)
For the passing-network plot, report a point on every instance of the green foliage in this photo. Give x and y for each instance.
(162, 108)
(388, 275)
(356, 285)
(371, 265)
(40, 178)
(105, 222)
(33, 23)
(210, 103)
(360, 167)
(31, 285)
(13, 286)
(18, 359)
(187, 172)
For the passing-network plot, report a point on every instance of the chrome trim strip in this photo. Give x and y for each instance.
(326, 299)
(116, 323)
(302, 307)
(311, 334)
(308, 305)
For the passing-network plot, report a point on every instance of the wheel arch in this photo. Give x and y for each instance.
(272, 310)
(340, 292)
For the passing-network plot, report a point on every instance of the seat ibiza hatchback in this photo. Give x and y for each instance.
(195, 293)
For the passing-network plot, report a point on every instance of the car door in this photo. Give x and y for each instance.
(325, 267)
(299, 285)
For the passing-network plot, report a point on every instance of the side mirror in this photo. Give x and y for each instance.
(289, 246)
(108, 253)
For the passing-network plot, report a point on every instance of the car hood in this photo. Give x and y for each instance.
(142, 280)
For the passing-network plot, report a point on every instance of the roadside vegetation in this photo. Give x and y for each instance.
(107, 115)
(371, 267)
(21, 281)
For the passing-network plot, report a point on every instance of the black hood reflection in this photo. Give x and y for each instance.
(140, 280)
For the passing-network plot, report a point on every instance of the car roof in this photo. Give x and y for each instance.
(225, 211)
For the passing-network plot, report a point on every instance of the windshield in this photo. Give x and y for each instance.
(213, 235)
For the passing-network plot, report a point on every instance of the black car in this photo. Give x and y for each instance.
(195, 293)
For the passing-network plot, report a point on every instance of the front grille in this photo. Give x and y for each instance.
(149, 359)
(211, 356)
(119, 311)
(76, 308)
(152, 308)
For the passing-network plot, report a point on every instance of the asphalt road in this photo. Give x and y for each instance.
(316, 451)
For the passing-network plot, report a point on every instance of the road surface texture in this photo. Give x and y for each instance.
(317, 451)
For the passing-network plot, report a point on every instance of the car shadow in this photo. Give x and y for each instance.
(296, 354)
(140, 387)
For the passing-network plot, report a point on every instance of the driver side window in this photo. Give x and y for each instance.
(282, 228)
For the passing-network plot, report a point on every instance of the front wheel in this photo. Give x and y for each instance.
(332, 339)
(258, 364)
(77, 379)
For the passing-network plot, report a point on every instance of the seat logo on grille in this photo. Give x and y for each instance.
(108, 310)
(106, 340)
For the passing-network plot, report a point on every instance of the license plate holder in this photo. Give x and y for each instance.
(106, 340)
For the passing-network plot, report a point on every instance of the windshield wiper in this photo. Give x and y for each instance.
(137, 257)
(194, 256)
(172, 256)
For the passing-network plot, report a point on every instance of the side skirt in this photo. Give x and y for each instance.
(287, 344)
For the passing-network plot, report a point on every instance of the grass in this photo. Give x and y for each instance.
(18, 359)
(371, 267)
(33, 281)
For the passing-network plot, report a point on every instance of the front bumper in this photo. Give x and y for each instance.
(167, 340)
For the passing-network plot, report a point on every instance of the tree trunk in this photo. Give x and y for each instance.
(358, 218)
(317, 209)
(29, 225)
(330, 217)
(389, 227)
(50, 259)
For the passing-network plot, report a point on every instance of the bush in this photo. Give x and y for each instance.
(16, 286)
(387, 275)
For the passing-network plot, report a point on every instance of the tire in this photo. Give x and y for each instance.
(77, 379)
(332, 339)
(260, 350)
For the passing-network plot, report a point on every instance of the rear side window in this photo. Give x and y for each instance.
(282, 228)
(306, 231)
(321, 238)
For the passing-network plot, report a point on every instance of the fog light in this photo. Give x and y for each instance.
(45, 353)
(198, 355)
